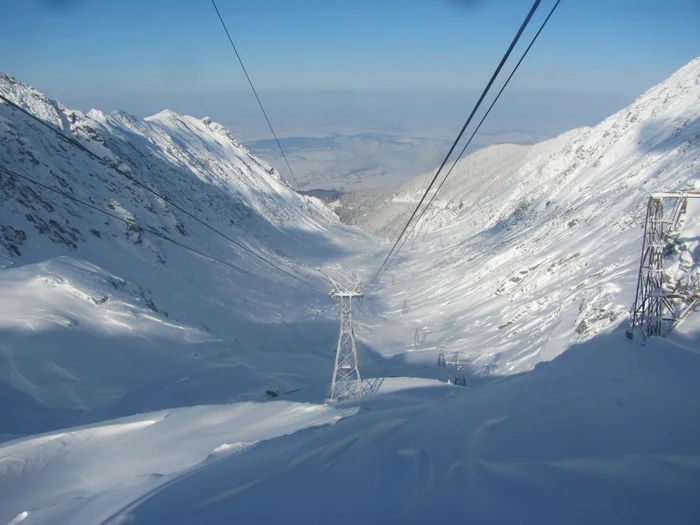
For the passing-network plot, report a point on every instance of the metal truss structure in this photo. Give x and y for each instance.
(441, 357)
(346, 383)
(656, 311)
(460, 374)
(457, 361)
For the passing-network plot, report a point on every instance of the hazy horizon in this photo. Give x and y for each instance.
(379, 138)
(384, 87)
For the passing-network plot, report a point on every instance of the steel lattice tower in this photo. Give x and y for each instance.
(347, 383)
(653, 307)
(460, 373)
(649, 303)
(441, 357)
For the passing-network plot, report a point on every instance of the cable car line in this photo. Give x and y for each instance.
(461, 153)
(454, 145)
(262, 108)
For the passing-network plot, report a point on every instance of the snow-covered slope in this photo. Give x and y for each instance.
(550, 257)
(564, 420)
(60, 472)
(96, 310)
(606, 433)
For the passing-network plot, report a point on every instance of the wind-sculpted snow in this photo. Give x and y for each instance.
(604, 434)
(65, 477)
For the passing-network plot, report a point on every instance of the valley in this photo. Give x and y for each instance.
(142, 381)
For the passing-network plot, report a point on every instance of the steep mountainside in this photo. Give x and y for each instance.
(479, 176)
(548, 256)
(98, 308)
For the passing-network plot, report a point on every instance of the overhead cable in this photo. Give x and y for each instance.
(134, 225)
(515, 40)
(461, 153)
(255, 92)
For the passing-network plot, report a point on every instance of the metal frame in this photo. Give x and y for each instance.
(441, 357)
(654, 311)
(347, 382)
(459, 362)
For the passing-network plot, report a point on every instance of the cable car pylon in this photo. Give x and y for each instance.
(347, 382)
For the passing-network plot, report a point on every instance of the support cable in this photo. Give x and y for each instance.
(262, 108)
(454, 145)
(461, 153)
(139, 228)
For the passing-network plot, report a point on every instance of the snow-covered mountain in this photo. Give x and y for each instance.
(480, 175)
(527, 266)
(529, 250)
(504, 181)
(96, 308)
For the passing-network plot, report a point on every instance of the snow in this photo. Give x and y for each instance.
(67, 476)
(94, 325)
(140, 383)
(567, 442)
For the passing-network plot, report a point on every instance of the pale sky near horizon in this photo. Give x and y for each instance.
(127, 49)
(340, 66)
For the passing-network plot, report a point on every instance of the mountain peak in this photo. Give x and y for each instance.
(32, 100)
(221, 130)
(166, 114)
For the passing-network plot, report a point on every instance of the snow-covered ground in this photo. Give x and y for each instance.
(526, 265)
(606, 433)
(69, 475)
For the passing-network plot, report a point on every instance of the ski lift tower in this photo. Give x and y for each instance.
(346, 383)
(460, 373)
(656, 310)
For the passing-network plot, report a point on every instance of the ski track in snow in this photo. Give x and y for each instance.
(527, 265)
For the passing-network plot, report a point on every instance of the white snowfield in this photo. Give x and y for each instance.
(526, 265)
(67, 477)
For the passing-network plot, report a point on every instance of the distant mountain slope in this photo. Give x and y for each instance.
(478, 176)
(663, 118)
(188, 160)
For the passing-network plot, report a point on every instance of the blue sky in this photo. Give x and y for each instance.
(414, 67)
(129, 47)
